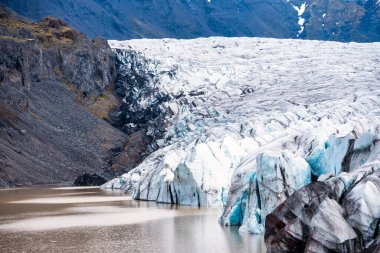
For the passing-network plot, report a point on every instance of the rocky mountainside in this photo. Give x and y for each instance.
(56, 96)
(340, 20)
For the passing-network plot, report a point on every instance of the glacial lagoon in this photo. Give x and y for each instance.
(87, 219)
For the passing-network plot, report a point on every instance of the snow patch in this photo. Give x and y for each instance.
(301, 21)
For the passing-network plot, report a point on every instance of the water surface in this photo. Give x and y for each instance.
(91, 220)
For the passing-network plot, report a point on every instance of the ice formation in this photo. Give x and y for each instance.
(335, 214)
(245, 122)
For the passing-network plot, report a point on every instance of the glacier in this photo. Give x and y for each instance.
(243, 123)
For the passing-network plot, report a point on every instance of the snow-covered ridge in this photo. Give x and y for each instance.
(242, 115)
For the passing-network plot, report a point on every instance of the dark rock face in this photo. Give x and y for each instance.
(340, 20)
(52, 51)
(136, 82)
(340, 214)
(51, 76)
(89, 180)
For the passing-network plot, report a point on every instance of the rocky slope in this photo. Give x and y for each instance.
(245, 122)
(51, 79)
(342, 20)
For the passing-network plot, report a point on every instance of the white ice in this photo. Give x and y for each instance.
(234, 100)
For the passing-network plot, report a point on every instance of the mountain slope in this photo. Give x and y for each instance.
(354, 20)
(51, 77)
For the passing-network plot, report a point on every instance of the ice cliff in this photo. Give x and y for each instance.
(244, 123)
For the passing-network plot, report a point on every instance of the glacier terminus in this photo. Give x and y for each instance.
(243, 123)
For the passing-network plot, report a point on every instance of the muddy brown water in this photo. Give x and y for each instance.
(91, 220)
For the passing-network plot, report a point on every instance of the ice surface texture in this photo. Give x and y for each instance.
(257, 118)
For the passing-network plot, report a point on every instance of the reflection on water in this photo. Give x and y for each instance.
(91, 220)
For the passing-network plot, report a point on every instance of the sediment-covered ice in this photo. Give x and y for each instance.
(334, 214)
(245, 122)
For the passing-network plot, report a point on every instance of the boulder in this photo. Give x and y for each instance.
(340, 214)
(89, 180)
